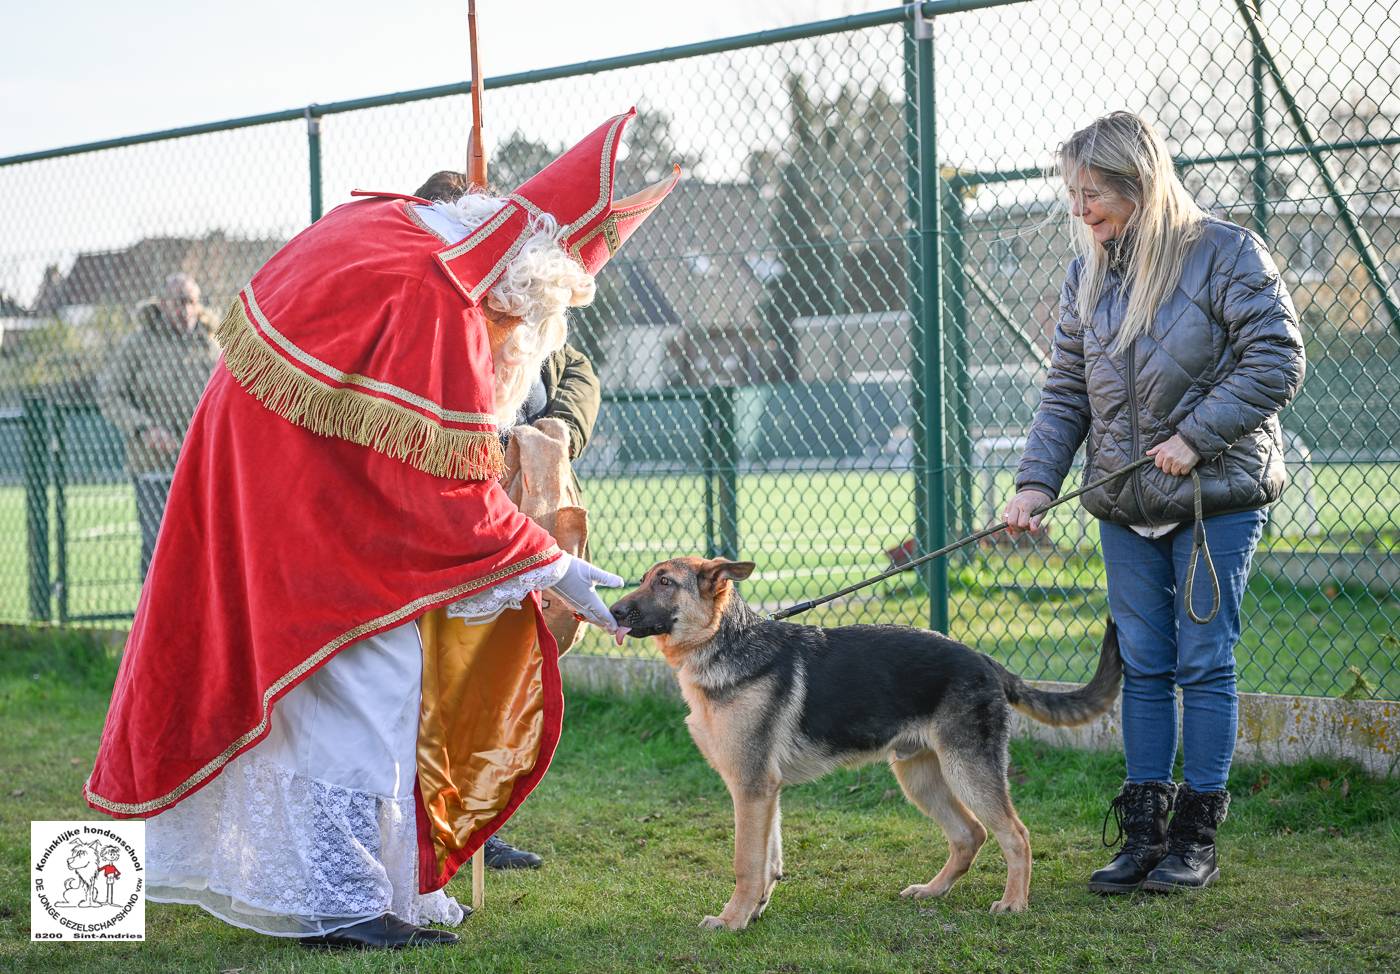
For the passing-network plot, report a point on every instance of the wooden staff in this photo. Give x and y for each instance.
(476, 147)
(478, 878)
(476, 173)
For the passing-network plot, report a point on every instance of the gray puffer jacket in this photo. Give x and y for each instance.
(1223, 355)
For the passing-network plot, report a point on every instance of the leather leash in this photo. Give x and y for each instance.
(1199, 550)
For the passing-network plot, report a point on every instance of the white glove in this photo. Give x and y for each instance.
(576, 589)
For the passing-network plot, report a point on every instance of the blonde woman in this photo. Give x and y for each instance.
(1175, 339)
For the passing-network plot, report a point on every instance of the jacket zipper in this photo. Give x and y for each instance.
(1133, 424)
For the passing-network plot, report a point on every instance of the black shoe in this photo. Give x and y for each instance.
(502, 855)
(1190, 861)
(385, 932)
(1140, 812)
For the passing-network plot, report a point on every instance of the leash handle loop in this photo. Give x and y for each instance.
(1200, 551)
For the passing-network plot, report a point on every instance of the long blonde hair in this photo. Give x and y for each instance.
(1126, 158)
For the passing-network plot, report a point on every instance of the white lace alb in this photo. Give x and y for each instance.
(273, 851)
(315, 827)
(510, 593)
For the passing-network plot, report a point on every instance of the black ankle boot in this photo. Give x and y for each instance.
(1140, 812)
(500, 854)
(1190, 860)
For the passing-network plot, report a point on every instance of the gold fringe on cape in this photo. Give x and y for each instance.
(349, 414)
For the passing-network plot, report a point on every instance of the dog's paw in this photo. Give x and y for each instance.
(1009, 906)
(719, 923)
(926, 891)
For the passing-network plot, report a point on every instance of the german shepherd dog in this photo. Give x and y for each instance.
(773, 704)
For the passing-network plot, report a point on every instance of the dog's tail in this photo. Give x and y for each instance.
(1077, 706)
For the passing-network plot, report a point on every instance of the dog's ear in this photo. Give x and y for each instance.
(722, 568)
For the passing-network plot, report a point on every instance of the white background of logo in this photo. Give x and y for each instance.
(87, 880)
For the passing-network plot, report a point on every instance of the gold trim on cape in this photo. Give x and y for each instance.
(605, 180)
(350, 414)
(302, 669)
(484, 285)
(478, 235)
(351, 379)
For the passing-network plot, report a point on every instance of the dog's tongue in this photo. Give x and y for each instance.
(622, 631)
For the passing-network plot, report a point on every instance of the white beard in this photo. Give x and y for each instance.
(513, 385)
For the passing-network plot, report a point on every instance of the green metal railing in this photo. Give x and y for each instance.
(827, 343)
(718, 460)
(48, 456)
(929, 306)
(36, 452)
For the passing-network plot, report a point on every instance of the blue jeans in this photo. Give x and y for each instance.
(1163, 649)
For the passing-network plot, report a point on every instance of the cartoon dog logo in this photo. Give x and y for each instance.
(85, 862)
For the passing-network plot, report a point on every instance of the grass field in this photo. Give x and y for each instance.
(1038, 611)
(636, 831)
(811, 533)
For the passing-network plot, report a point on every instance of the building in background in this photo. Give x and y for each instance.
(123, 278)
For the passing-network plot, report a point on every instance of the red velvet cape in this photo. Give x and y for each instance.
(301, 516)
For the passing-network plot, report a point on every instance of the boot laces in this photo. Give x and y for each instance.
(1187, 848)
(1186, 836)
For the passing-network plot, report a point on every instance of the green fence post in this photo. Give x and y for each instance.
(709, 462)
(1260, 174)
(720, 447)
(955, 318)
(926, 304)
(313, 158)
(60, 508)
(36, 505)
(728, 480)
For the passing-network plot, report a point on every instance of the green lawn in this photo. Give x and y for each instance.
(1037, 610)
(811, 533)
(636, 831)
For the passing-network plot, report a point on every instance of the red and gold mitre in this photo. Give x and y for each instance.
(577, 191)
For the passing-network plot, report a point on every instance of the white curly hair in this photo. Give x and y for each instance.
(538, 287)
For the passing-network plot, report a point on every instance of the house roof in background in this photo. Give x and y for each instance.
(699, 263)
(221, 265)
(692, 265)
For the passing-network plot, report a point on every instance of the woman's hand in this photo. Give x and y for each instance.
(1019, 514)
(1175, 456)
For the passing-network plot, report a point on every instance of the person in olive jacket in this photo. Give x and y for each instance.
(150, 389)
(566, 389)
(1176, 339)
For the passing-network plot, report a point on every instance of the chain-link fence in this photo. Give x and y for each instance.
(785, 377)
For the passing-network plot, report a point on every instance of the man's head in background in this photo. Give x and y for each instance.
(444, 186)
(179, 301)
